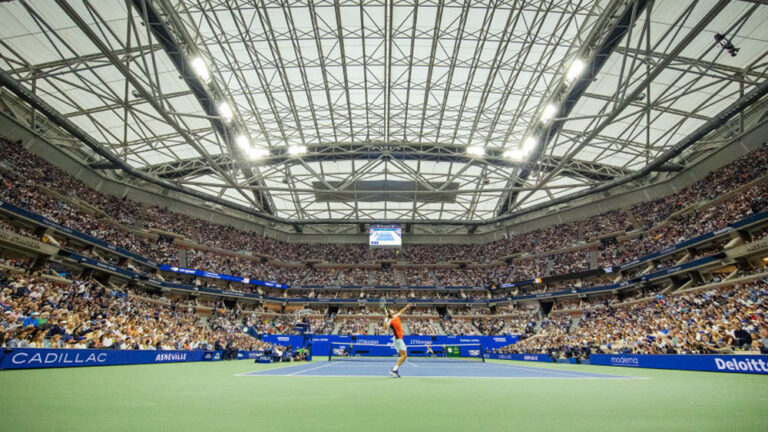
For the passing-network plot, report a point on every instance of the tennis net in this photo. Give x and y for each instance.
(416, 353)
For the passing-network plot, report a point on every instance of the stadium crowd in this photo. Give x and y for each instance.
(30, 182)
(715, 321)
(41, 313)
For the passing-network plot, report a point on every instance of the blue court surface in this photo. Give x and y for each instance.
(427, 370)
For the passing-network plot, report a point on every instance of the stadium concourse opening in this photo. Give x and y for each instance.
(417, 215)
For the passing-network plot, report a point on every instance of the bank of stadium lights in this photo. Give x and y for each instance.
(523, 151)
(296, 150)
(225, 112)
(529, 144)
(242, 142)
(256, 152)
(201, 70)
(514, 154)
(250, 151)
(575, 71)
(548, 113)
(476, 151)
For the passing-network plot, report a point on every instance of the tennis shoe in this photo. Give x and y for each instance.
(394, 373)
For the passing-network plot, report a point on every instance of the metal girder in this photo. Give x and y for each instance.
(87, 62)
(346, 151)
(179, 58)
(599, 45)
(384, 91)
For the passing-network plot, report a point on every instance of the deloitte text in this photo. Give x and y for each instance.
(736, 365)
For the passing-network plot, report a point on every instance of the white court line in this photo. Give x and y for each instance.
(280, 367)
(310, 369)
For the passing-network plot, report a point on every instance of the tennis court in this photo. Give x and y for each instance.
(426, 368)
(243, 395)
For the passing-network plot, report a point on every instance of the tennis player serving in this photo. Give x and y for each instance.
(392, 321)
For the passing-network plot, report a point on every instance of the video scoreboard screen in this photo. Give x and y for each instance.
(385, 236)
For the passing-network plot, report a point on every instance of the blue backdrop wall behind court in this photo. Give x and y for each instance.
(321, 343)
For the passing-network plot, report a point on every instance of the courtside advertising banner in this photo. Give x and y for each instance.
(520, 357)
(750, 364)
(29, 358)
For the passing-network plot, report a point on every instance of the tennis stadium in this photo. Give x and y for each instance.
(371, 215)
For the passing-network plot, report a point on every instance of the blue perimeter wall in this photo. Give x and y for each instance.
(28, 358)
(751, 364)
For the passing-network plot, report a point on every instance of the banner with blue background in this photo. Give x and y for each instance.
(321, 344)
(28, 358)
(751, 364)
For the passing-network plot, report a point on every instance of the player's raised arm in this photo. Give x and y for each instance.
(404, 309)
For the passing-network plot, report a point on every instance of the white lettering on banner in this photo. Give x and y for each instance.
(23, 358)
(171, 357)
(749, 365)
(283, 338)
(531, 357)
(625, 361)
(722, 230)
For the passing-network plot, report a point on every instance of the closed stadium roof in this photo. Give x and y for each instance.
(308, 111)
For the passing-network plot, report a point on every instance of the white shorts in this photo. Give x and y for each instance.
(400, 345)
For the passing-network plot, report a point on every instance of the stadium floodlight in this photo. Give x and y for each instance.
(548, 113)
(514, 154)
(242, 142)
(225, 112)
(296, 150)
(201, 70)
(476, 151)
(529, 144)
(257, 152)
(575, 71)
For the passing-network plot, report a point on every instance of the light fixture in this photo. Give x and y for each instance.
(577, 67)
(256, 152)
(514, 154)
(225, 112)
(296, 150)
(548, 113)
(475, 151)
(200, 69)
(242, 142)
(529, 144)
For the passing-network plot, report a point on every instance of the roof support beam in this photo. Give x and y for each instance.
(177, 56)
(614, 35)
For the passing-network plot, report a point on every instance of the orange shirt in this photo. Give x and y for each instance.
(396, 326)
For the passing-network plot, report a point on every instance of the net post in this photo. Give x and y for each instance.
(482, 352)
(330, 350)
